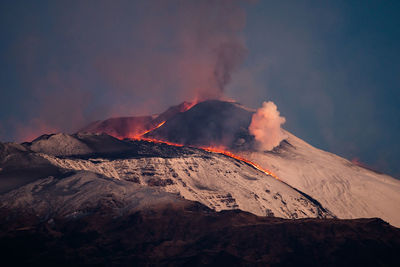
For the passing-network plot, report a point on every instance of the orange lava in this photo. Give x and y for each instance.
(138, 136)
(219, 150)
(158, 126)
(140, 127)
(213, 150)
(189, 105)
(230, 154)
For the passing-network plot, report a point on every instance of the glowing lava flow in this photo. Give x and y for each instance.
(230, 154)
(158, 126)
(184, 107)
(189, 105)
(213, 150)
(139, 136)
(209, 149)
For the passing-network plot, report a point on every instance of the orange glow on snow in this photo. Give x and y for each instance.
(214, 150)
(219, 150)
(230, 154)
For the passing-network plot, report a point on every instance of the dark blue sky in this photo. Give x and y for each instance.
(332, 67)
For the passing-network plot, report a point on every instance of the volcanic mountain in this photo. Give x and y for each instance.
(187, 187)
(215, 180)
(347, 190)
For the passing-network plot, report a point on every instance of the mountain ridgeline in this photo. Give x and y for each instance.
(116, 194)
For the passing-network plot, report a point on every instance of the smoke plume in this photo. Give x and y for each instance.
(266, 126)
(229, 57)
(117, 58)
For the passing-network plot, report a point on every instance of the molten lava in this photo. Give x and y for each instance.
(158, 126)
(212, 150)
(139, 135)
(220, 150)
(230, 154)
(188, 105)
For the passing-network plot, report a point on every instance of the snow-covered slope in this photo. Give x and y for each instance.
(81, 193)
(312, 182)
(62, 144)
(215, 180)
(346, 189)
(19, 166)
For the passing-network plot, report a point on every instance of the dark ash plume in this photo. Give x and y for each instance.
(229, 57)
(123, 58)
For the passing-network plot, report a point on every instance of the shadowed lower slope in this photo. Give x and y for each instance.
(192, 235)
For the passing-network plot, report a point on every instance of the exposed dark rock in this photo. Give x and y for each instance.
(159, 182)
(194, 235)
(208, 123)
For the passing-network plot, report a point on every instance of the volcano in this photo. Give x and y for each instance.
(346, 189)
(190, 186)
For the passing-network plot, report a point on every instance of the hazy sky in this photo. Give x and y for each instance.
(332, 67)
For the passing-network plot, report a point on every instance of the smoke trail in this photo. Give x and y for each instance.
(120, 58)
(213, 43)
(266, 126)
(190, 51)
(230, 55)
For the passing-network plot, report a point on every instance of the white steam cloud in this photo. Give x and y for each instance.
(266, 126)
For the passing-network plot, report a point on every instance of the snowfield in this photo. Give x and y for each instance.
(311, 183)
(79, 194)
(348, 190)
(215, 180)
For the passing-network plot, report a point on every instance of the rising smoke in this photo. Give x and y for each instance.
(189, 50)
(229, 57)
(210, 47)
(129, 57)
(266, 126)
